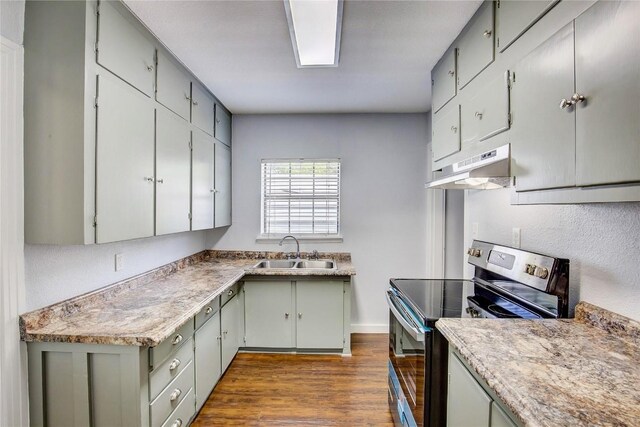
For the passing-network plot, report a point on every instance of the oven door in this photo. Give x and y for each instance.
(406, 361)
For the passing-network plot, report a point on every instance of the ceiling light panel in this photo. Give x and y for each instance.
(315, 27)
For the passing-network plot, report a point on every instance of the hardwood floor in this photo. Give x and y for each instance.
(304, 390)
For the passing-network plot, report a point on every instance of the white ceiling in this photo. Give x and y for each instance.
(242, 51)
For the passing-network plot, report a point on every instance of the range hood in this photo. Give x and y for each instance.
(486, 171)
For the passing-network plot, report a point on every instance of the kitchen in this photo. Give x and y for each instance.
(387, 221)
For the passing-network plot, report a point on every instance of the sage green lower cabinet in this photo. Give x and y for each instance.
(469, 404)
(231, 325)
(305, 314)
(208, 355)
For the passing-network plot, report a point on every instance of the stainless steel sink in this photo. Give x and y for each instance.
(275, 263)
(323, 264)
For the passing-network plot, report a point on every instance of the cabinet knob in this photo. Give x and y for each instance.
(230, 293)
(187, 97)
(451, 73)
(195, 102)
(177, 423)
(454, 129)
(478, 115)
(175, 394)
(148, 178)
(208, 310)
(217, 120)
(565, 103)
(487, 33)
(177, 339)
(160, 181)
(224, 333)
(299, 315)
(577, 98)
(286, 315)
(174, 364)
(149, 67)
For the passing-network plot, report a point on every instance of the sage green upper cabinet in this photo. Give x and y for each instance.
(487, 113)
(174, 86)
(222, 186)
(222, 125)
(319, 307)
(201, 108)
(543, 134)
(173, 173)
(268, 314)
(475, 45)
(446, 132)
(202, 181)
(124, 50)
(515, 17)
(124, 163)
(607, 43)
(443, 80)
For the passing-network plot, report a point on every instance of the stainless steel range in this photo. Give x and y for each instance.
(508, 283)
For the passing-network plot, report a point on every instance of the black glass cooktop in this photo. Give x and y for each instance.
(434, 299)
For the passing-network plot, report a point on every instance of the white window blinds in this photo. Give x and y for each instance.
(300, 197)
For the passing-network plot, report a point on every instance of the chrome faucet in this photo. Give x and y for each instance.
(297, 244)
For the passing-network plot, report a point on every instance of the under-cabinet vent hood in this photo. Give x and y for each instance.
(485, 171)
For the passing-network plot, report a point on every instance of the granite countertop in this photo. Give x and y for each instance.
(146, 309)
(569, 372)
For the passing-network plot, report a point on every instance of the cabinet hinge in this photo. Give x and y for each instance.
(509, 119)
(244, 339)
(344, 340)
(498, 4)
(98, 9)
(95, 221)
(498, 41)
(190, 145)
(95, 47)
(189, 215)
(95, 102)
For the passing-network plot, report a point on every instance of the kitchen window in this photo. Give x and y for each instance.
(300, 197)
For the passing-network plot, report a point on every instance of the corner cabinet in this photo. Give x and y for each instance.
(469, 403)
(296, 313)
(108, 119)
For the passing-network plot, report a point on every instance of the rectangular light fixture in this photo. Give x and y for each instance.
(315, 27)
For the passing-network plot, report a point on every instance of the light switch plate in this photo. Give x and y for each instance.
(119, 262)
(515, 237)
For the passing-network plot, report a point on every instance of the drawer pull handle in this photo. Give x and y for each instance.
(174, 364)
(175, 394)
(177, 423)
(177, 339)
(487, 33)
(208, 310)
(230, 293)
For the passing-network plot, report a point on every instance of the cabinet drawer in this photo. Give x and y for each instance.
(222, 126)
(201, 108)
(169, 346)
(124, 50)
(446, 133)
(475, 46)
(170, 369)
(443, 80)
(174, 87)
(230, 292)
(487, 114)
(183, 413)
(207, 312)
(170, 398)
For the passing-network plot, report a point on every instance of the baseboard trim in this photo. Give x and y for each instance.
(369, 328)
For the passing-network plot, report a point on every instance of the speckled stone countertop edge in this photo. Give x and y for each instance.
(31, 322)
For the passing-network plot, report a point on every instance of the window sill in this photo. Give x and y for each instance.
(265, 238)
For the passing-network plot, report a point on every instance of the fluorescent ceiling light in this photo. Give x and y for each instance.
(315, 27)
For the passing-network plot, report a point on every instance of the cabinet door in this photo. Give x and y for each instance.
(487, 113)
(513, 18)
(499, 418)
(223, 186)
(475, 46)
(446, 133)
(174, 86)
(231, 331)
(443, 80)
(207, 358)
(268, 314)
(173, 173)
(608, 76)
(202, 187)
(124, 50)
(223, 125)
(124, 163)
(467, 403)
(201, 108)
(320, 314)
(543, 143)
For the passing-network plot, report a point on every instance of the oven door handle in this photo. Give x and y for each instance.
(412, 330)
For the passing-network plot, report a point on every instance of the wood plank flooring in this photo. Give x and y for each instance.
(304, 390)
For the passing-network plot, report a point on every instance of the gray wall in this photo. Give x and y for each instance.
(383, 213)
(55, 273)
(601, 240)
(12, 20)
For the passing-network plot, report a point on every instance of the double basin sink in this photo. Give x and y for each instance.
(322, 264)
